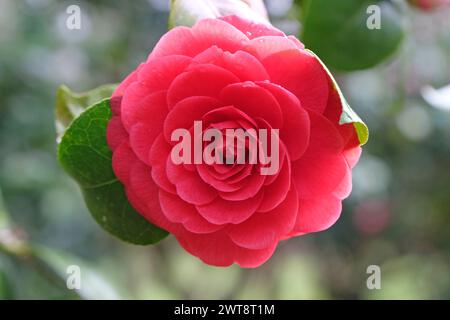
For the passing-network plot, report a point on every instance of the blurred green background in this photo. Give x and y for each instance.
(398, 216)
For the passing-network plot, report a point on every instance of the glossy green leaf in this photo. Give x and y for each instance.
(188, 12)
(70, 105)
(348, 115)
(85, 155)
(338, 32)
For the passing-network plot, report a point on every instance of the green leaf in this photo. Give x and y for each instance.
(337, 31)
(69, 105)
(85, 155)
(348, 115)
(188, 12)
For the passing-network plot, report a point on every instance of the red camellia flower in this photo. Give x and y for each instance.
(232, 73)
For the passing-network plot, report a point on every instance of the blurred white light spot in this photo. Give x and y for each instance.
(414, 123)
(438, 98)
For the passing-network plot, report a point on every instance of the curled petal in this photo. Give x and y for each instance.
(242, 64)
(178, 41)
(202, 80)
(276, 192)
(158, 73)
(190, 187)
(221, 211)
(255, 101)
(295, 132)
(209, 32)
(159, 153)
(178, 211)
(264, 229)
(185, 112)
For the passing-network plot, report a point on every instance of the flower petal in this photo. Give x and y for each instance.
(178, 211)
(190, 187)
(317, 214)
(221, 211)
(217, 249)
(295, 132)
(254, 101)
(321, 169)
(200, 80)
(301, 73)
(251, 29)
(263, 229)
(159, 153)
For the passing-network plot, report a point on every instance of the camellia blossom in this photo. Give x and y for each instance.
(231, 73)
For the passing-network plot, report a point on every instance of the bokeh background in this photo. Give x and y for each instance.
(398, 216)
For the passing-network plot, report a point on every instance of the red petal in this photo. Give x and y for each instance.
(115, 133)
(295, 132)
(217, 184)
(251, 29)
(317, 214)
(178, 41)
(122, 160)
(344, 188)
(253, 100)
(178, 211)
(132, 77)
(159, 153)
(185, 112)
(264, 229)
(131, 101)
(241, 64)
(221, 211)
(142, 193)
(158, 73)
(209, 32)
(218, 250)
(151, 111)
(201, 80)
(190, 187)
(264, 47)
(302, 74)
(252, 186)
(276, 192)
(142, 137)
(352, 156)
(321, 169)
